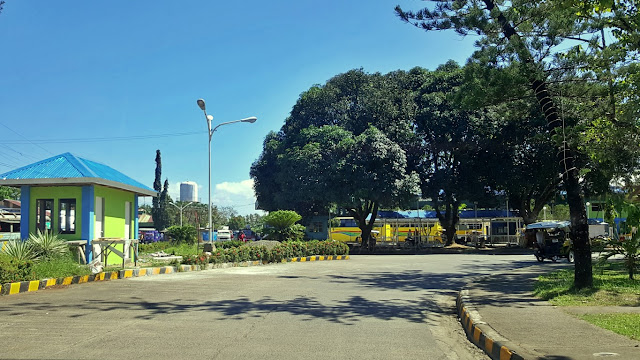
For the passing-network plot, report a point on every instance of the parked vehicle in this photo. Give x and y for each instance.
(225, 234)
(598, 229)
(552, 240)
(249, 235)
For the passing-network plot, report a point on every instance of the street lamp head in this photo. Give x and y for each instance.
(250, 119)
(210, 117)
(201, 104)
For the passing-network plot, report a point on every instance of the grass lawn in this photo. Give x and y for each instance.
(167, 247)
(611, 287)
(623, 324)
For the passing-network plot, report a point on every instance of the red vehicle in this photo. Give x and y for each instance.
(248, 235)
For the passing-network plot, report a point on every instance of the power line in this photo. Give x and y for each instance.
(27, 140)
(103, 139)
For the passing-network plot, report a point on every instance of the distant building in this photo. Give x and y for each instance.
(188, 191)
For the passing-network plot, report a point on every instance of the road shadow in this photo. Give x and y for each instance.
(413, 295)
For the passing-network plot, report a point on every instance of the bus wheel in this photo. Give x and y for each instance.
(571, 256)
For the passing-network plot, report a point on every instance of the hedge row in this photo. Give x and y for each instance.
(284, 250)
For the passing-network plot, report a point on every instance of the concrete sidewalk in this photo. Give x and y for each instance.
(502, 309)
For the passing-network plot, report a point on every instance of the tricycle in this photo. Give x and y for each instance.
(552, 240)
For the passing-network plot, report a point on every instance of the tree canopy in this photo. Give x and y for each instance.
(562, 51)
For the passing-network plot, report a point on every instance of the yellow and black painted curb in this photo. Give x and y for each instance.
(319, 258)
(35, 285)
(477, 334)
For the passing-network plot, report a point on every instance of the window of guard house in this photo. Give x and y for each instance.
(316, 227)
(67, 217)
(44, 211)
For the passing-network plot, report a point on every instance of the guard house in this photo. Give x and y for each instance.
(78, 199)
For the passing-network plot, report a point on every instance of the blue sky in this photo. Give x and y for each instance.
(75, 75)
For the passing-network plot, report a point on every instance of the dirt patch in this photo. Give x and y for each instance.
(458, 246)
(268, 243)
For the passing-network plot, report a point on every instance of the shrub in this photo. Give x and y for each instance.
(279, 252)
(281, 225)
(47, 245)
(218, 257)
(182, 234)
(201, 259)
(12, 269)
(20, 250)
(229, 244)
(61, 266)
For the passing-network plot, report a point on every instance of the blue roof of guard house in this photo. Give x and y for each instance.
(68, 169)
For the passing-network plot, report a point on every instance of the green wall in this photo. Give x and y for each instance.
(56, 193)
(114, 211)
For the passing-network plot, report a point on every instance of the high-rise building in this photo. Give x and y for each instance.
(188, 191)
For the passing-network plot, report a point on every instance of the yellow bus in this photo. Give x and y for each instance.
(387, 231)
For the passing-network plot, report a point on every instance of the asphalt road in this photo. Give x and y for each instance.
(369, 307)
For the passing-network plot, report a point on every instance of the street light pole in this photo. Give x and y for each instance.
(210, 131)
(181, 208)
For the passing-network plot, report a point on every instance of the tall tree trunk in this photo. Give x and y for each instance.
(360, 213)
(579, 227)
(450, 218)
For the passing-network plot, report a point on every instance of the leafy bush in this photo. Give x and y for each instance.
(281, 225)
(182, 234)
(12, 269)
(46, 245)
(60, 266)
(229, 244)
(628, 247)
(279, 252)
(20, 250)
(201, 259)
(218, 257)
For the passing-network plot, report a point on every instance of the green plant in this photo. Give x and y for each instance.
(20, 250)
(12, 269)
(182, 234)
(200, 259)
(154, 247)
(629, 248)
(61, 266)
(229, 244)
(281, 225)
(47, 245)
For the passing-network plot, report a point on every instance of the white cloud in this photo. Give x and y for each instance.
(238, 195)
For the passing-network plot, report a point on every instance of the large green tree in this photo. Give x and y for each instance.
(534, 36)
(329, 165)
(348, 142)
(451, 145)
(518, 155)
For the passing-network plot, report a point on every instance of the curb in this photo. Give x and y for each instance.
(478, 333)
(35, 285)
